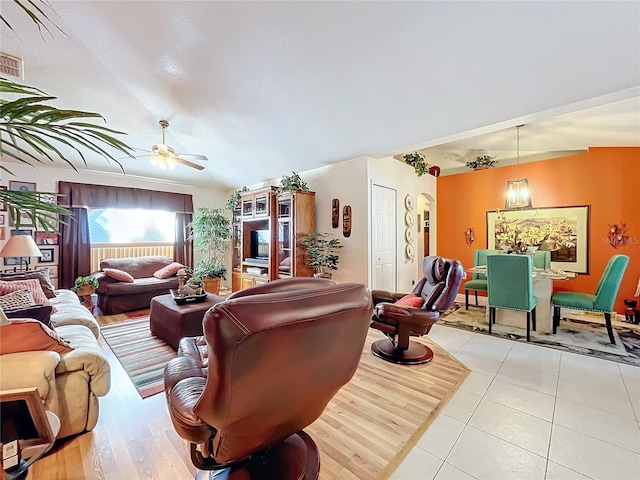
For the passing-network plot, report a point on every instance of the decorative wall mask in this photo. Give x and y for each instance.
(617, 235)
(469, 235)
(346, 221)
(335, 213)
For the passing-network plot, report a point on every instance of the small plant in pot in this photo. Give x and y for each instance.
(85, 285)
(323, 253)
(482, 162)
(210, 231)
(292, 183)
(417, 161)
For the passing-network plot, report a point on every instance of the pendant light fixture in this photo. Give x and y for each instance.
(518, 189)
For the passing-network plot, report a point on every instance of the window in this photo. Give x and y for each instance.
(113, 225)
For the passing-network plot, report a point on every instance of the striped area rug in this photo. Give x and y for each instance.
(142, 354)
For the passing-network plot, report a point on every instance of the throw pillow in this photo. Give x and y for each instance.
(16, 300)
(28, 335)
(411, 300)
(41, 275)
(285, 262)
(42, 313)
(166, 272)
(32, 285)
(119, 275)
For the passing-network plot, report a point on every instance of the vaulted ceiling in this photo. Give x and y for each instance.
(264, 88)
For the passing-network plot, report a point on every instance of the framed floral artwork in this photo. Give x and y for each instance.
(564, 231)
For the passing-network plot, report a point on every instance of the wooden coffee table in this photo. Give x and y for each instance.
(171, 322)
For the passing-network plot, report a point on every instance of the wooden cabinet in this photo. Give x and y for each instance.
(267, 229)
(295, 219)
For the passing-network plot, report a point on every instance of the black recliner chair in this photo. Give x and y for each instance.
(395, 316)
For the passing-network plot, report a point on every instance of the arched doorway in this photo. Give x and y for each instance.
(425, 214)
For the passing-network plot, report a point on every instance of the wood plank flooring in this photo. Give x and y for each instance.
(364, 433)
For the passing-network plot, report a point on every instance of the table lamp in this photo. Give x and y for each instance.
(21, 246)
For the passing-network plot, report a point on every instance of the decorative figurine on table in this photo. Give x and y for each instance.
(182, 275)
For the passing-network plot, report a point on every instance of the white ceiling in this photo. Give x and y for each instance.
(264, 88)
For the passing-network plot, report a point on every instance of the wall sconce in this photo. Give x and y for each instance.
(616, 235)
(469, 235)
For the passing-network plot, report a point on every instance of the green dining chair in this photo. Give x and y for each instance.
(601, 301)
(510, 287)
(478, 281)
(542, 259)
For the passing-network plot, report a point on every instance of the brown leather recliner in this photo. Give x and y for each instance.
(269, 362)
(437, 290)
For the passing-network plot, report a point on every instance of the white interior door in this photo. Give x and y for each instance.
(383, 238)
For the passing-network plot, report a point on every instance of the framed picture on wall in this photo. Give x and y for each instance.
(564, 231)
(49, 255)
(46, 238)
(22, 186)
(3, 206)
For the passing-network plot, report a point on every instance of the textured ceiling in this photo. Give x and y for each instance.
(263, 88)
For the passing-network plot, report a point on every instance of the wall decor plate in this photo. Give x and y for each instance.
(408, 202)
(408, 251)
(408, 235)
(408, 219)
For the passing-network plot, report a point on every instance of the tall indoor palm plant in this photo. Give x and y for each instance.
(32, 132)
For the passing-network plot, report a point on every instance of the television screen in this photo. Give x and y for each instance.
(260, 243)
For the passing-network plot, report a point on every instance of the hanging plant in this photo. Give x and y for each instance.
(482, 162)
(417, 161)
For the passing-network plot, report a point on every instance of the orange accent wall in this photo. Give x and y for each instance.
(606, 178)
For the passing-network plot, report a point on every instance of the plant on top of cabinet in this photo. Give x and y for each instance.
(234, 199)
(292, 183)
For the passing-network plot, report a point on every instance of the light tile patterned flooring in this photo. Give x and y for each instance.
(527, 411)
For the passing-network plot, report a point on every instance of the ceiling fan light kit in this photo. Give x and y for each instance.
(164, 157)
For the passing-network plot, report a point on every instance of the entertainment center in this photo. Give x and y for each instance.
(267, 228)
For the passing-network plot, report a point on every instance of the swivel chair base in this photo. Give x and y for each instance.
(296, 458)
(415, 354)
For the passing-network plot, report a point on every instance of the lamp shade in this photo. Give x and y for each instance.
(20, 246)
(518, 194)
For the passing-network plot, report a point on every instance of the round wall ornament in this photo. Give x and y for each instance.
(408, 235)
(408, 250)
(408, 202)
(408, 219)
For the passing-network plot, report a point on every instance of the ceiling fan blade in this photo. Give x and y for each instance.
(141, 149)
(194, 156)
(189, 164)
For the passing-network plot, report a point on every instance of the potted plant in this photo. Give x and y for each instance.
(322, 252)
(482, 162)
(417, 161)
(85, 285)
(292, 183)
(210, 231)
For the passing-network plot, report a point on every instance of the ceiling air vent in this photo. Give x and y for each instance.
(10, 65)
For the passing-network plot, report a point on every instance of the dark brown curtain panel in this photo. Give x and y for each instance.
(75, 247)
(183, 248)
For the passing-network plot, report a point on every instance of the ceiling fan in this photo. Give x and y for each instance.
(165, 157)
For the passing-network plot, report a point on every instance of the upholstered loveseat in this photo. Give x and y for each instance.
(70, 383)
(118, 293)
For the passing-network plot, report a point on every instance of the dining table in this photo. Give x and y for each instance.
(542, 282)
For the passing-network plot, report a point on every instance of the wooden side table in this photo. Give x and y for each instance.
(86, 292)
